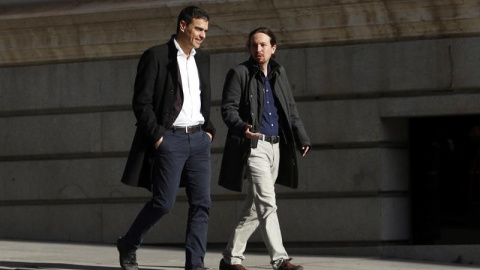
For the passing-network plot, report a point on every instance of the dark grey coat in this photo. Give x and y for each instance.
(157, 101)
(242, 104)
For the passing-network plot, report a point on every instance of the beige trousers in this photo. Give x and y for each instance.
(260, 208)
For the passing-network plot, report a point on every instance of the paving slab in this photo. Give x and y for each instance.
(26, 255)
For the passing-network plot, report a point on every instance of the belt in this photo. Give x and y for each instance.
(270, 139)
(186, 129)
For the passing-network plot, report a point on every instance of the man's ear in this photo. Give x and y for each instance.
(183, 25)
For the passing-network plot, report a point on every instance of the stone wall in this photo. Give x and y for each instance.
(359, 70)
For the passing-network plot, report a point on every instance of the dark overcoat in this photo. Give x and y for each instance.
(242, 105)
(157, 101)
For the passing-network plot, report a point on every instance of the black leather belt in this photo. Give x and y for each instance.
(270, 139)
(185, 130)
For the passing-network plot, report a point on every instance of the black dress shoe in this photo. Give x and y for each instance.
(128, 256)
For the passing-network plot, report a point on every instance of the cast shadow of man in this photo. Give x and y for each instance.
(9, 265)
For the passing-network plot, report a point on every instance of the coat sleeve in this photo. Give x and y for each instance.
(147, 71)
(298, 129)
(210, 128)
(231, 102)
(203, 64)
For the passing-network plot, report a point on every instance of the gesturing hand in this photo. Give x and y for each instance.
(305, 149)
(251, 135)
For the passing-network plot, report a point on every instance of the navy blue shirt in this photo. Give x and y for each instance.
(270, 116)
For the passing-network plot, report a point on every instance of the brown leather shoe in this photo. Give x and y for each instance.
(226, 266)
(286, 265)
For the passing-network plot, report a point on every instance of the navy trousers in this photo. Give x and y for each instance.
(190, 154)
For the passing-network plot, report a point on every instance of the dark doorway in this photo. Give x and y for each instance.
(445, 179)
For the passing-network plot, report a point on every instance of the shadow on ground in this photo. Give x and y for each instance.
(32, 265)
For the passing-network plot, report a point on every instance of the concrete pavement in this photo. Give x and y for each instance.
(25, 255)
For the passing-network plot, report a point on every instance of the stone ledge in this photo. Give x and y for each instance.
(92, 30)
(462, 103)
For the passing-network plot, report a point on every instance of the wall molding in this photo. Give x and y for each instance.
(215, 197)
(88, 30)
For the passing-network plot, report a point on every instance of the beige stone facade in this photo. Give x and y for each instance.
(63, 31)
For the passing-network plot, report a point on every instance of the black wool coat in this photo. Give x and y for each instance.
(242, 105)
(157, 101)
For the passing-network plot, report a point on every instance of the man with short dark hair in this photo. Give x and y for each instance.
(171, 147)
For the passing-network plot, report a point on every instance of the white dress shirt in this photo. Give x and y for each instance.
(190, 115)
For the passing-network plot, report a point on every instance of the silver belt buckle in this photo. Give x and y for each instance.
(190, 129)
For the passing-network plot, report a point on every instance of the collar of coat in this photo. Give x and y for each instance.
(255, 70)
